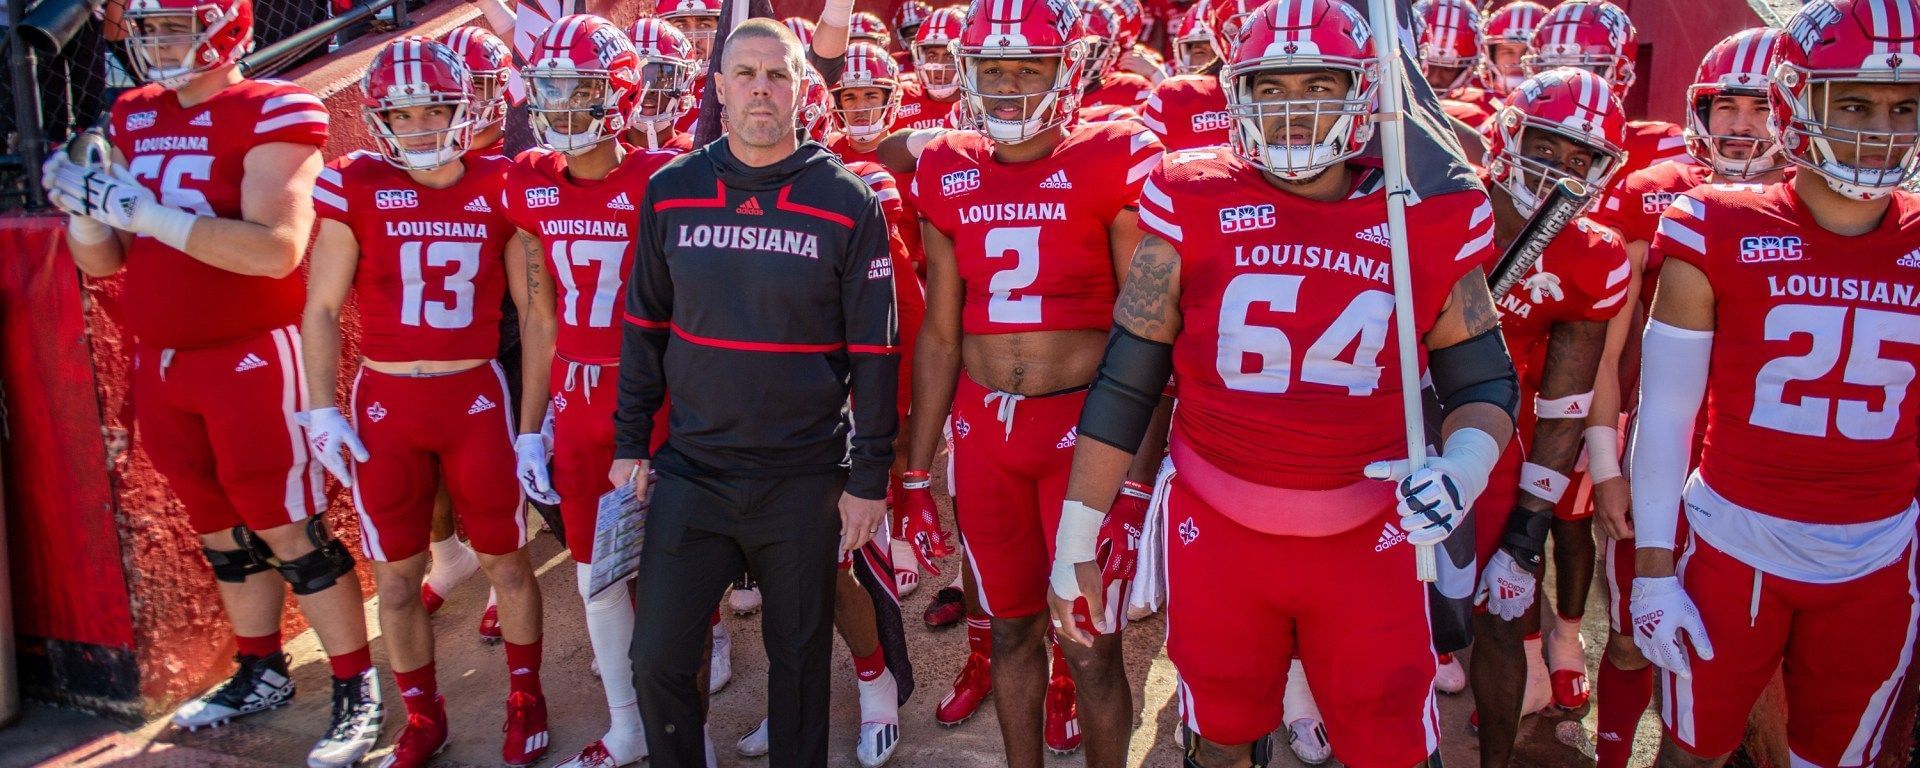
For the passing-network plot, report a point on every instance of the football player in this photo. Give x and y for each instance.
(1505, 35)
(927, 98)
(1263, 286)
(1190, 111)
(1728, 139)
(697, 20)
(1104, 83)
(1560, 124)
(206, 205)
(1018, 295)
(416, 231)
(1787, 310)
(1192, 41)
(667, 73)
(490, 62)
(1596, 35)
(1450, 57)
(573, 203)
(907, 20)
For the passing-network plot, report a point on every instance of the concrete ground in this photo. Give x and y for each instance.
(472, 679)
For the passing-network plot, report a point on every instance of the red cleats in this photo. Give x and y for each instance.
(1570, 689)
(946, 610)
(526, 730)
(1063, 719)
(431, 599)
(490, 625)
(423, 737)
(970, 688)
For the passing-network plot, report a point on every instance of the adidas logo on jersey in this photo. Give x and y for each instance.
(376, 412)
(1912, 259)
(1376, 234)
(1057, 181)
(1390, 535)
(479, 205)
(620, 203)
(250, 362)
(1188, 531)
(750, 208)
(1073, 436)
(204, 120)
(480, 404)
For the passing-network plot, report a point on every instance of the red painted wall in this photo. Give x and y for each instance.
(1674, 35)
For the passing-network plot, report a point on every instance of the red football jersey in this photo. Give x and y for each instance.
(1583, 276)
(1119, 89)
(1650, 142)
(1467, 110)
(586, 231)
(909, 295)
(1287, 373)
(920, 110)
(909, 228)
(1188, 112)
(193, 158)
(432, 272)
(1811, 405)
(1032, 239)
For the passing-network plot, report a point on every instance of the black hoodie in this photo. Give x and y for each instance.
(760, 297)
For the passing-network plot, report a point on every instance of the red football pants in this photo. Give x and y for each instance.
(1011, 456)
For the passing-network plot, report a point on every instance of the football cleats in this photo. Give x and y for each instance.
(866, 26)
(208, 34)
(489, 61)
(1829, 42)
(1191, 31)
(801, 28)
(582, 82)
(667, 70)
(416, 73)
(867, 66)
(1573, 103)
(1512, 24)
(1736, 66)
(1593, 35)
(1022, 29)
(1449, 38)
(1295, 35)
(941, 28)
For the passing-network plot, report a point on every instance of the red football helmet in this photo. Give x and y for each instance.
(810, 115)
(213, 34)
(1573, 103)
(867, 66)
(1835, 42)
(583, 74)
(1190, 32)
(909, 16)
(940, 79)
(1512, 24)
(415, 73)
(801, 28)
(666, 74)
(867, 26)
(1225, 18)
(489, 61)
(1594, 35)
(684, 15)
(1736, 66)
(1103, 29)
(1449, 38)
(1297, 35)
(1132, 24)
(1022, 29)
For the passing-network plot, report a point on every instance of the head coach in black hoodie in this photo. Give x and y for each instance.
(761, 298)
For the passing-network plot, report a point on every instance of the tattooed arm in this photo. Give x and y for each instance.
(1149, 308)
(537, 331)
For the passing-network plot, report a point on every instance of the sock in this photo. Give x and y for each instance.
(1297, 703)
(626, 738)
(1060, 668)
(871, 665)
(610, 631)
(523, 667)
(1621, 696)
(879, 698)
(420, 691)
(352, 664)
(452, 563)
(980, 634)
(259, 647)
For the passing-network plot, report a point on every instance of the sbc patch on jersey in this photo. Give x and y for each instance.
(389, 199)
(1761, 249)
(1652, 203)
(960, 181)
(1246, 218)
(543, 197)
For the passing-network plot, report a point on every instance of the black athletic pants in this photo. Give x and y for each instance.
(701, 533)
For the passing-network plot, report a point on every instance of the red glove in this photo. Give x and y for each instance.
(922, 521)
(1119, 543)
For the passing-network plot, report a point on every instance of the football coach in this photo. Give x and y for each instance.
(762, 299)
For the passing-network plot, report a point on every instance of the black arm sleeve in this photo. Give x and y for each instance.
(867, 301)
(643, 342)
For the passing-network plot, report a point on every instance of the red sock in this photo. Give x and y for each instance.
(523, 668)
(870, 666)
(1059, 657)
(420, 691)
(352, 664)
(980, 634)
(1622, 696)
(259, 647)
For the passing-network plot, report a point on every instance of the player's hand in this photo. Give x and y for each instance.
(1506, 588)
(328, 431)
(530, 466)
(1132, 61)
(1075, 593)
(633, 471)
(1662, 611)
(1433, 500)
(1119, 543)
(1612, 507)
(860, 520)
(922, 521)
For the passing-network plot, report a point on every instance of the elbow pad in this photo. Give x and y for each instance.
(1132, 375)
(1477, 370)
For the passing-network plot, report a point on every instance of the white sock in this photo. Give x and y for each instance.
(1566, 650)
(453, 562)
(626, 738)
(880, 699)
(1298, 701)
(610, 630)
(903, 557)
(493, 597)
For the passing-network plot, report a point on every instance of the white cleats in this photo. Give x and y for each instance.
(259, 685)
(720, 666)
(1450, 677)
(1308, 740)
(754, 744)
(877, 741)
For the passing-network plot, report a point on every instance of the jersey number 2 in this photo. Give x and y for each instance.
(1362, 327)
(1023, 243)
(1827, 328)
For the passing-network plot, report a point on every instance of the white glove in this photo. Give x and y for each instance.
(1506, 588)
(1661, 611)
(1435, 499)
(112, 196)
(530, 459)
(327, 431)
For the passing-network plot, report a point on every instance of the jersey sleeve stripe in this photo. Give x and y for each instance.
(1673, 142)
(1141, 169)
(1481, 213)
(314, 117)
(1476, 246)
(887, 195)
(331, 176)
(1151, 120)
(1689, 206)
(1677, 232)
(1611, 300)
(1160, 226)
(1153, 195)
(284, 100)
(1619, 274)
(1141, 140)
(326, 197)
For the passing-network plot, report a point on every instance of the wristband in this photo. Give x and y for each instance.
(1603, 453)
(1076, 542)
(1569, 407)
(1136, 490)
(166, 224)
(1542, 483)
(86, 231)
(916, 480)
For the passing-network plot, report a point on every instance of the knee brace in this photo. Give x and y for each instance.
(319, 569)
(235, 565)
(1190, 745)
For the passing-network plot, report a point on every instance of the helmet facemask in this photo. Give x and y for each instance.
(581, 101)
(926, 69)
(664, 88)
(171, 47)
(1041, 111)
(1721, 151)
(1528, 180)
(869, 121)
(1327, 131)
(402, 148)
(1808, 125)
